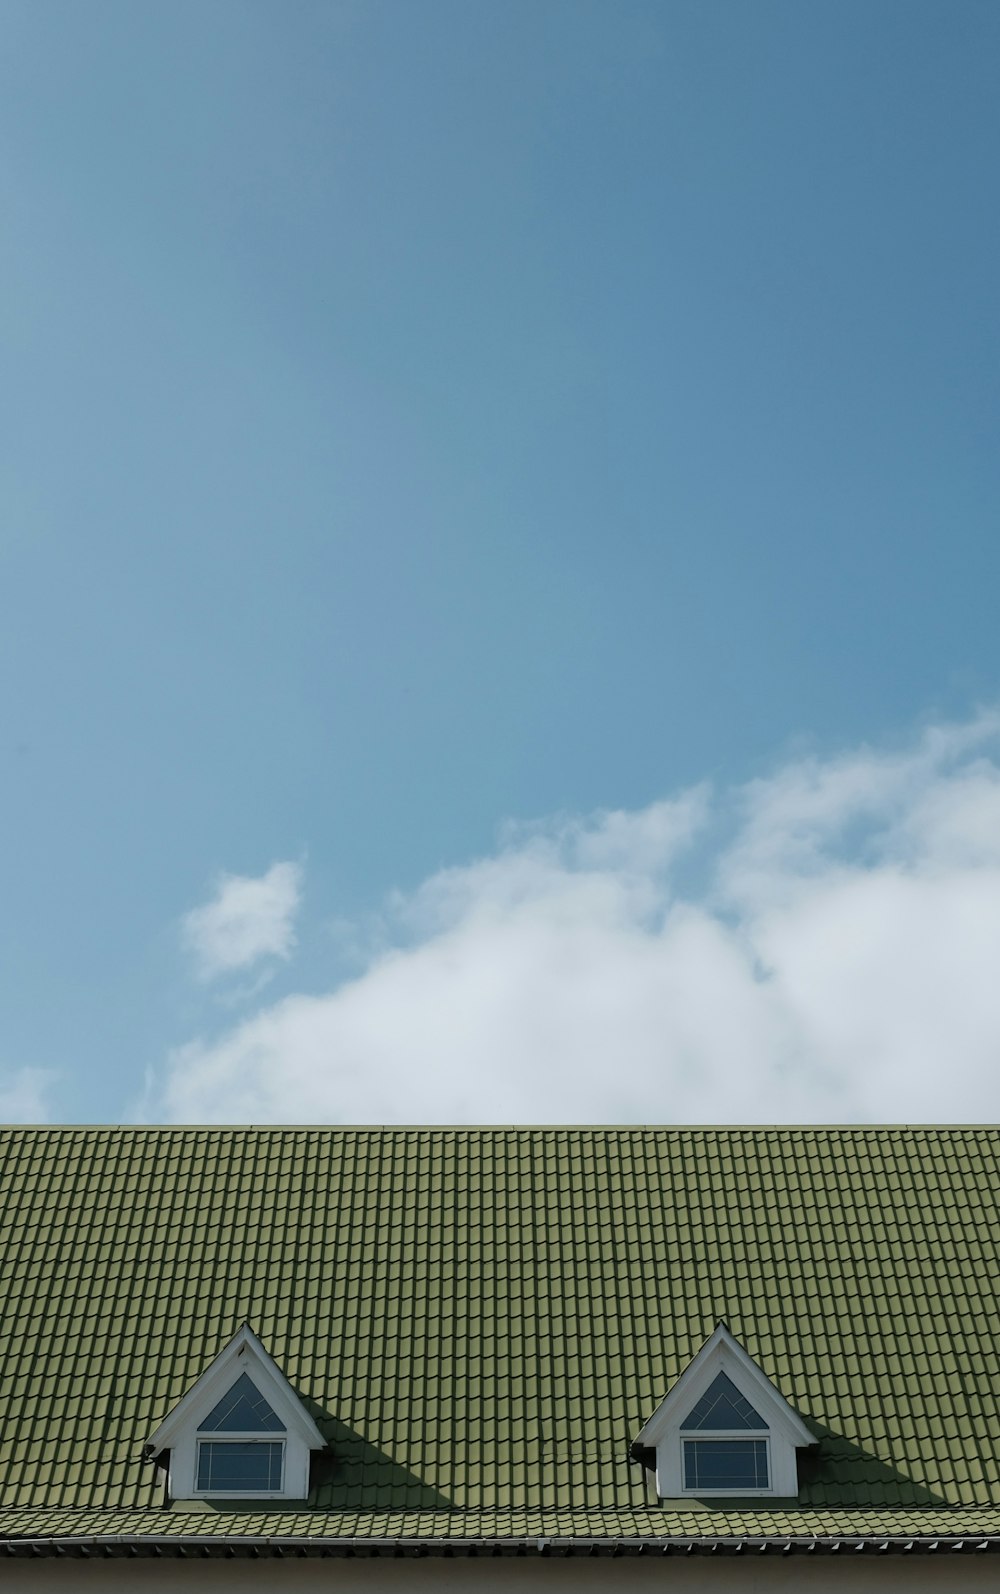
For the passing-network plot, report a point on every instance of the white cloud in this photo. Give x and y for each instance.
(839, 962)
(246, 920)
(24, 1095)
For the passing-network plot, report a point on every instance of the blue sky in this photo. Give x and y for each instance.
(423, 422)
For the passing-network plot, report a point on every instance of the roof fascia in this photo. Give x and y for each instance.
(721, 1351)
(212, 1384)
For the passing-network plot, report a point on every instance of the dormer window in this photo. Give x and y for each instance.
(724, 1429)
(240, 1432)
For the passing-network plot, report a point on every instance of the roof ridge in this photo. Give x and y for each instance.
(506, 1129)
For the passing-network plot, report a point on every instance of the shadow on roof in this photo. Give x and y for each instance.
(839, 1472)
(357, 1475)
(354, 1476)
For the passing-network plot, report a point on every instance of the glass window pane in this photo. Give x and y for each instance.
(233, 1468)
(242, 1410)
(736, 1465)
(722, 1406)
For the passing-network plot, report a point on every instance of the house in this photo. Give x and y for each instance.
(705, 1359)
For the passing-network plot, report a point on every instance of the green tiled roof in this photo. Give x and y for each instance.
(480, 1321)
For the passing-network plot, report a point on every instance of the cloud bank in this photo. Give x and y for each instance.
(838, 960)
(246, 920)
(24, 1095)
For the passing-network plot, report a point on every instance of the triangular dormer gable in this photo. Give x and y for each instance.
(724, 1429)
(240, 1431)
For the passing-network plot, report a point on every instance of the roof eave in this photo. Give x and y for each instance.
(218, 1547)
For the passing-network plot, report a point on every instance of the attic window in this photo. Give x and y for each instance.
(735, 1466)
(236, 1469)
(243, 1410)
(722, 1406)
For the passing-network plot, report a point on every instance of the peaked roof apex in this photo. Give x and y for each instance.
(197, 1402)
(722, 1351)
